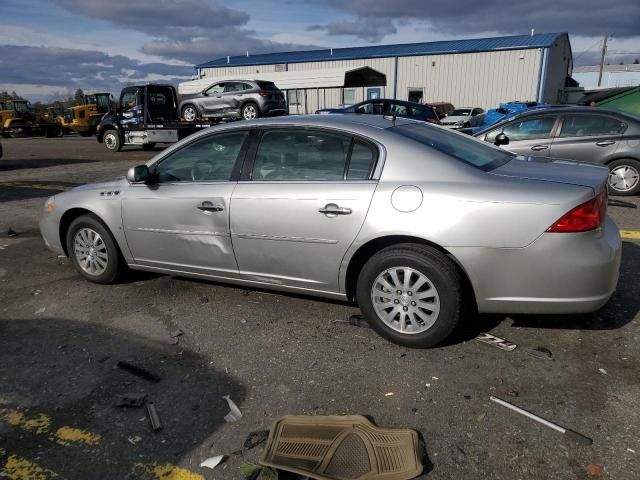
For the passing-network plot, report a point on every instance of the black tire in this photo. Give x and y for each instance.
(250, 111)
(631, 169)
(441, 273)
(115, 265)
(111, 140)
(190, 111)
(148, 146)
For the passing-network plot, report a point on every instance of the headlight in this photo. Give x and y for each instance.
(50, 204)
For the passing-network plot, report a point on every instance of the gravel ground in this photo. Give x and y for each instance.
(61, 338)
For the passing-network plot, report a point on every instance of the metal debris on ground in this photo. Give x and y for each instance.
(204, 300)
(11, 232)
(154, 418)
(540, 352)
(481, 417)
(213, 462)
(256, 438)
(40, 310)
(234, 412)
(496, 341)
(578, 437)
(358, 321)
(389, 394)
(134, 439)
(138, 371)
(136, 400)
(602, 371)
(595, 470)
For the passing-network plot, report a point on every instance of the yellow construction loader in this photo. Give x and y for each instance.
(18, 120)
(84, 118)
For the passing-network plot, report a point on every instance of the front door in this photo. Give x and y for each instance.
(529, 136)
(587, 137)
(294, 219)
(181, 222)
(373, 93)
(212, 102)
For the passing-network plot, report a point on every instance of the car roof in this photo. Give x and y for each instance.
(380, 100)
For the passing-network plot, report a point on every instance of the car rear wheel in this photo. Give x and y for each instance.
(111, 141)
(411, 295)
(189, 113)
(624, 177)
(250, 111)
(93, 250)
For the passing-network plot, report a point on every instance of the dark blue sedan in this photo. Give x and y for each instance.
(384, 106)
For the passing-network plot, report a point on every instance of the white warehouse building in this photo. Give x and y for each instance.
(476, 72)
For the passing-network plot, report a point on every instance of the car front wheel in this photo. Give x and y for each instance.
(189, 113)
(93, 250)
(624, 177)
(411, 295)
(111, 141)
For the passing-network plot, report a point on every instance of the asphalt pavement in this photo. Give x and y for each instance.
(61, 339)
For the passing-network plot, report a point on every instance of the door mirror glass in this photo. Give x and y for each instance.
(501, 139)
(138, 174)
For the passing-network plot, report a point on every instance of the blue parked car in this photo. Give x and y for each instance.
(503, 112)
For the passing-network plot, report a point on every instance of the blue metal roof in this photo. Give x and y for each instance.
(518, 42)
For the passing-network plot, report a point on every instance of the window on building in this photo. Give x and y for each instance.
(416, 95)
(295, 97)
(349, 96)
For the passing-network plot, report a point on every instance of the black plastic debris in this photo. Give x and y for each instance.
(154, 418)
(540, 352)
(136, 400)
(138, 371)
(358, 321)
(11, 232)
(256, 438)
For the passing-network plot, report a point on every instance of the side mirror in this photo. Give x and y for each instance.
(501, 139)
(138, 174)
(204, 93)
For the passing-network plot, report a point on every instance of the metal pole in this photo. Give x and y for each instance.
(604, 53)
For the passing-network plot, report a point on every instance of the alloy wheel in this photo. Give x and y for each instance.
(623, 178)
(110, 141)
(406, 300)
(249, 112)
(90, 251)
(189, 114)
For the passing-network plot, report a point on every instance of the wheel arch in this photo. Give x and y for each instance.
(367, 250)
(67, 219)
(620, 156)
(103, 128)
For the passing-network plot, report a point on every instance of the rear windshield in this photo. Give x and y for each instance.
(465, 148)
(268, 86)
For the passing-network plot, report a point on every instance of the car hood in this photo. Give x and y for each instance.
(556, 170)
(456, 119)
(115, 183)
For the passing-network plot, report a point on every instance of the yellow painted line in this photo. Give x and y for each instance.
(18, 468)
(68, 435)
(41, 424)
(164, 471)
(630, 234)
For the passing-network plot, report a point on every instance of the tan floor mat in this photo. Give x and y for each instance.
(342, 448)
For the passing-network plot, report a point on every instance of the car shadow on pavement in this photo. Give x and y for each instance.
(621, 309)
(22, 163)
(59, 383)
(26, 189)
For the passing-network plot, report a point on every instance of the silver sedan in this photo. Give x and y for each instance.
(410, 221)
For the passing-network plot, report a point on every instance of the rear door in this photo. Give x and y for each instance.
(588, 137)
(301, 205)
(530, 135)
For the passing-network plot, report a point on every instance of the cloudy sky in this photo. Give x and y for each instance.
(52, 46)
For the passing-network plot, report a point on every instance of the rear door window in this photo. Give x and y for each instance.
(362, 161)
(591, 125)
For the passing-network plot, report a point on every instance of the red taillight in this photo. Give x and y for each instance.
(263, 94)
(584, 217)
(433, 120)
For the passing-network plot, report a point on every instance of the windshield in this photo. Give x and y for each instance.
(460, 112)
(467, 149)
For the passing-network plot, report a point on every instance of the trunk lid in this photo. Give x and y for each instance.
(557, 171)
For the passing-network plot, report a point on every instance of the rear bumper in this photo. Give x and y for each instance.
(559, 273)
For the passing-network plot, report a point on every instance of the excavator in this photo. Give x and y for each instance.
(84, 118)
(17, 120)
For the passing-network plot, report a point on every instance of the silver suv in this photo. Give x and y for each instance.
(231, 99)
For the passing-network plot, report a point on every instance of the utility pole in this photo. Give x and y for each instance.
(604, 53)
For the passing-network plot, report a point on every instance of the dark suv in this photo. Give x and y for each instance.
(384, 106)
(246, 99)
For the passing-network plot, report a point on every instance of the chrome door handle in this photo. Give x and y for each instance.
(333, 209)
(539, 147)
(604, 143)
(210, 207)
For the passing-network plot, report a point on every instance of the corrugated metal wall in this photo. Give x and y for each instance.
(472, 79)
(557, 69)
(482, 79)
